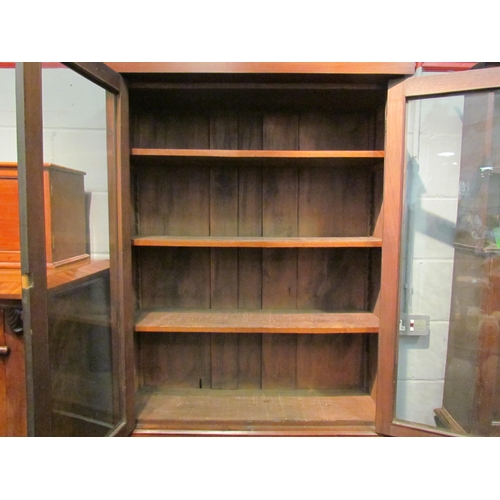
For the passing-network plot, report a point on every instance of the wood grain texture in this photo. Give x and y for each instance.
(176, 360)
(333, 362)
(13, 409)
(389, 297)
(258, 242)
(254, 153)
(233, 321)
(368, 68)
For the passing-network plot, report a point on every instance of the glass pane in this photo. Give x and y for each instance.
(449, 344)
(83, 372)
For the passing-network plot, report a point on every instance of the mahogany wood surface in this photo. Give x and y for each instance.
(389, 294)
(263, 321)
(254, 410)
(13, 412)
(258, 242)
(369, 68)
(256, 207)
(256, 153)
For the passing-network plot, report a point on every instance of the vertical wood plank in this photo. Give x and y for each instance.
(177, 360)
(185, 131)
(279, 278)
(334, 202)
(279, 291)
(250, 130)
(281, 131)
(224, 295)
(330, 362)
(173, 201)
(280, 201)
(249, 278)
(249, 361)
(224, 130)
(223, 201)
(175, 278)
(279, 361)
(344, 131)
(332, 279)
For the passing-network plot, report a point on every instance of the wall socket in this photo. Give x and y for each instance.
(414, 324)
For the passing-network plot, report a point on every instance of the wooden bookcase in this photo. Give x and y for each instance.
(256, 250)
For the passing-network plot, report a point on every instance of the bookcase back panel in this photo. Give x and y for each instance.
(284, 120)
(274, 278)
(234, 200)
(253, 361)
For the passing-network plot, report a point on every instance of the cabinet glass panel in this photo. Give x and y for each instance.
(83, 373)
(449, 330)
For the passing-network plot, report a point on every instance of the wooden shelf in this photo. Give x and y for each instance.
(239, 153)
(297, 412)
(261, 321)
(256, 242)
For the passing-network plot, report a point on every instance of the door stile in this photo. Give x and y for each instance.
(389, 297)
(32, 237)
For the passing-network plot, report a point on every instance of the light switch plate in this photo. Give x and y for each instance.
(414, 324)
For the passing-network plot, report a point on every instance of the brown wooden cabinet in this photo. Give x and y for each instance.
(256, 222)
(65, 216)
(256, 246)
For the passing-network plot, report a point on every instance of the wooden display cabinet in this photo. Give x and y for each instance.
(256, 249)
(65, 216)
(256, 215)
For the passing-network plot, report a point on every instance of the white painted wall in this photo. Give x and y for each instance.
(74, 118)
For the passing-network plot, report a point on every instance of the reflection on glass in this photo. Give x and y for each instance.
(84, 399)
(449, 344)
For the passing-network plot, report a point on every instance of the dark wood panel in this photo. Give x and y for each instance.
(250, 201)
(279, 278)
(223, 201)
(281, 131)
(177, 278)
(224, 130)
(249, 278)
(189, 131)
(330, 362)
(279, 361)
(332, 279)
(224, 295)
(334, 202)
(224, 361)
(173, 201)
(280, 199)
(321, 131)
(250, 361)
(176, 360)
(250, 130)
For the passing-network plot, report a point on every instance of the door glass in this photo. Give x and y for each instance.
(449, 330)
(83, 372)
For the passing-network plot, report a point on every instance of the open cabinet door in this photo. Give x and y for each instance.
(72, 145)
(439, 356)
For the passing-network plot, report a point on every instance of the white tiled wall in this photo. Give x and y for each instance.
(435, 128)
(74, 120)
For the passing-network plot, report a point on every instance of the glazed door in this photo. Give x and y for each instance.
(70, 164)
(439, 357)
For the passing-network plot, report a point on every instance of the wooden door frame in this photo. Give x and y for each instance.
(394, 182)
(33, 259)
